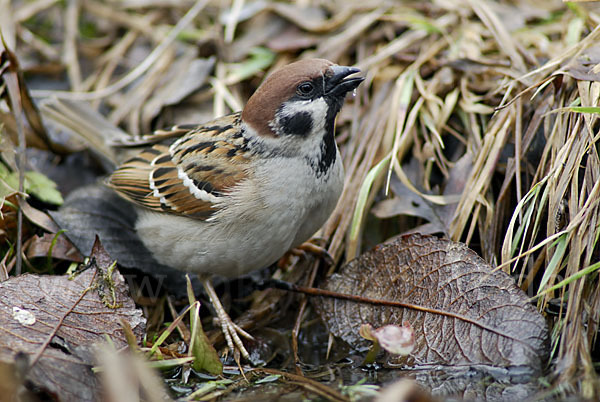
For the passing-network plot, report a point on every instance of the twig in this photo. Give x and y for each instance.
(278, 284)
(11, 79)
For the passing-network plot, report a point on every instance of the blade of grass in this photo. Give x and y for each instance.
(168, 331)
(561, 246)
(404, 84)
(523, 228)
(169, 363)
(510, 242)
(584, 109)
(580, 274)
(361, 203)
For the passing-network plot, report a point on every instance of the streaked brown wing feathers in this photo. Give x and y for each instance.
(189, 177)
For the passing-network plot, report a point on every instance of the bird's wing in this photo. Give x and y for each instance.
(190, 176)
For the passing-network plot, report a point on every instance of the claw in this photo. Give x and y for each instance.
(308, 247)
(317, 251)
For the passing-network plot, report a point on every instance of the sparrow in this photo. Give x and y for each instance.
(235, 194)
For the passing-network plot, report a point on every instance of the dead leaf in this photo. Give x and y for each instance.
(407, 202)
(292, 39)
(313, 19)
(13, 77)
(186, 75)
(38, 217)
(585, 66)
(263, 29)
(462, 312)
(57, 246)
(58, 322)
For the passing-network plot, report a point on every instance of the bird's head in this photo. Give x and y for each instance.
(300, 100)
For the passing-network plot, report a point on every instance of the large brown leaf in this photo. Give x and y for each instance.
(462, 311)
(54, 324)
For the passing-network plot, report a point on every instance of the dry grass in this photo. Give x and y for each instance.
(515, 86)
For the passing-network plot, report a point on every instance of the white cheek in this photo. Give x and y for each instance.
(307, 146)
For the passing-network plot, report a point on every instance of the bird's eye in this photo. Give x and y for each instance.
(305, 89)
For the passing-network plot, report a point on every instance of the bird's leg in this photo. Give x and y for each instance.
(229, 328)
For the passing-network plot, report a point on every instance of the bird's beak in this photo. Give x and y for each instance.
(336, 85)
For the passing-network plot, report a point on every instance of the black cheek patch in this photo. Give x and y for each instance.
(298, 124)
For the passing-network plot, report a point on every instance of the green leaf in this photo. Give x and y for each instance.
(360, 390)
(7, 187)
(192, 34)
(205, 355)
(42, 187)
(34, 183)
(260, 58)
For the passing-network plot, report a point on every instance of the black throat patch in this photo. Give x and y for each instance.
(328, 147)
(328, 155)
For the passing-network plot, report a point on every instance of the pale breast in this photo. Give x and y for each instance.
(323, 199)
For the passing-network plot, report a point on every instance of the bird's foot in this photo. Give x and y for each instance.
(232, 333)
(314, 249)
(230, 329)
